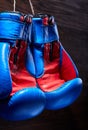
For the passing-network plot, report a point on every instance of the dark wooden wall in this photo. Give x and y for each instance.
(72, 19)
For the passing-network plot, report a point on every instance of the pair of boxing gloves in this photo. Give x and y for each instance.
(36, 72)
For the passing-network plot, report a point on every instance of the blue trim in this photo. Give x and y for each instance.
(61, 59)
(44, 34)
(10, 26)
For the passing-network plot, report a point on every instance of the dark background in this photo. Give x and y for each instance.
(72, 19)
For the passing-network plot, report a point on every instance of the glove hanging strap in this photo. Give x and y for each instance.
(32, 8)
(14, 6)
(31, 5)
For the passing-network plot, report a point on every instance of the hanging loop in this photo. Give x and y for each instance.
(14, 6)
(32, 8)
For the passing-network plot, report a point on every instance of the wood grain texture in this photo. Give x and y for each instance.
(72, 19)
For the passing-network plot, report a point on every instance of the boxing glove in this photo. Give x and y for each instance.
(25, 101)
(55, 72)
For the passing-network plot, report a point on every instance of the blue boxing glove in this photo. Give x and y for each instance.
(20, 97)
(54, 70)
